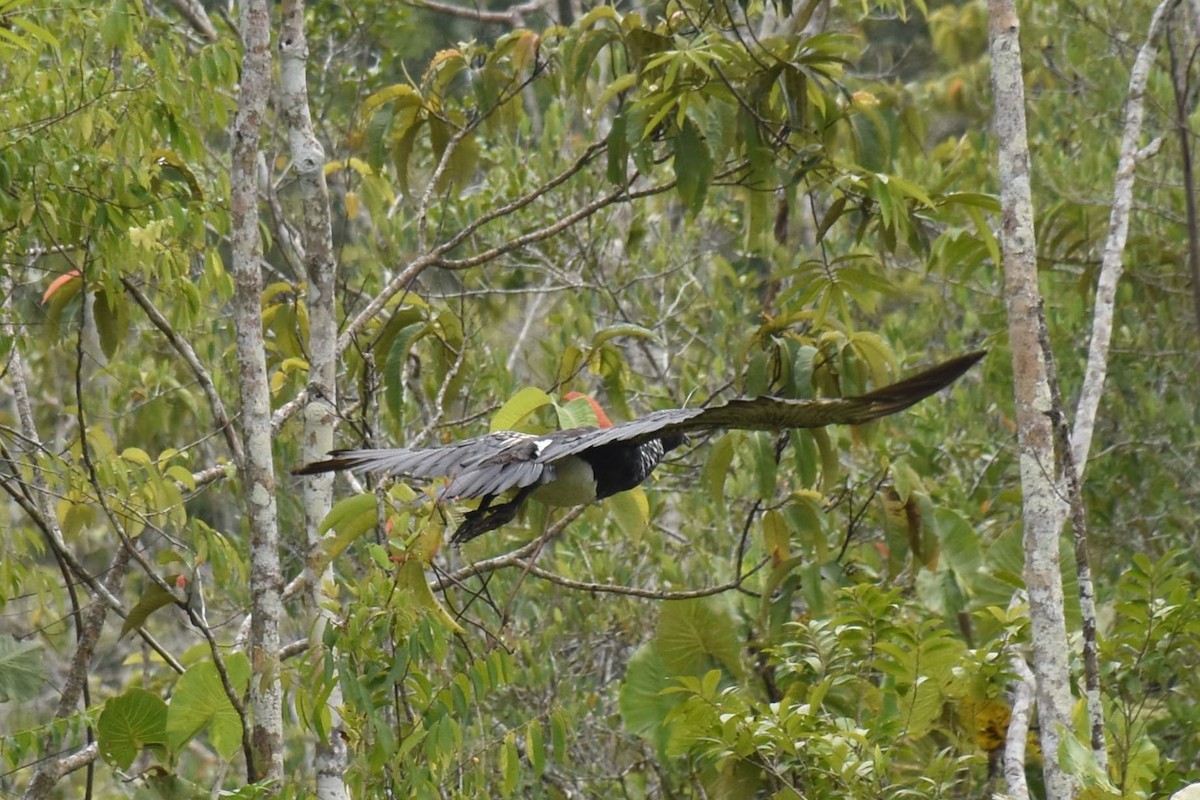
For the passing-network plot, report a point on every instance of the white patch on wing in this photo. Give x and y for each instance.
(542, 444)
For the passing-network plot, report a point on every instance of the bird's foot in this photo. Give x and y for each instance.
(482, 520)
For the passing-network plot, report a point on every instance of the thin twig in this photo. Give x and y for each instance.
(184, 348)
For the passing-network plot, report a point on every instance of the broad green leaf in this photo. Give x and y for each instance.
(402, 93)
(518, 408)
(631, 511)
(558, 730)
(580, 412)
(644, 707)
(621, 84)
(350, 518)
(199, 703)
(692, 634)
(830, 467)
(347, 513)
(137, 456)
(129, 723)
(22, 669)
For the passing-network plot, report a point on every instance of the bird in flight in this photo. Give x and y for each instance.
(580, 465)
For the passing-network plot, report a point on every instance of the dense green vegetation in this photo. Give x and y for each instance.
(654, 206)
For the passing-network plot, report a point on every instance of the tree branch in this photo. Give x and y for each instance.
(184, 348)
(1112, 262)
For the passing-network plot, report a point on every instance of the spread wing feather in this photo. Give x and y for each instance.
(770, 413)
(492, 464)
(477, 467)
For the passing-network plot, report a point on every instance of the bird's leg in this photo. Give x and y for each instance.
(488, 517)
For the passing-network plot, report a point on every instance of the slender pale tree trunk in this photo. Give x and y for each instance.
(257, 469)
(308, 161)
(1035, 439)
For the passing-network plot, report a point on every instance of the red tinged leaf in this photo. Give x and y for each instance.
(59, 282)
(601, 418)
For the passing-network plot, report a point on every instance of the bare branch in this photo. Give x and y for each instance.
(1112, 262)
(635, 591)
(184, 348)
(512, 16)
(1018, 729)
(196, 16)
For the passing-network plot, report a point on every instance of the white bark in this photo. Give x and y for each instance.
(308, 160)
(1018, 730)
(258, 474)
(1041, 514)
(1112, 264)
(1078, 447)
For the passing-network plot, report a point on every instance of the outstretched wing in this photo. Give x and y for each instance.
(770, 413)
(490, 465)
(484, 465)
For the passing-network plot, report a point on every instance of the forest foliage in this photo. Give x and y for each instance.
(650, 206)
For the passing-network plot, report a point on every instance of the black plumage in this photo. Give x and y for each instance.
(579, 465)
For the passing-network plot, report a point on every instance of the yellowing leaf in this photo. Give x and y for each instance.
(776, 536)
(72, 280)
(631, 511)
(411, 577)
(403, 94)
(519, 407)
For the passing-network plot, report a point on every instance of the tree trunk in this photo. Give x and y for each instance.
(257, 470)
(1035, 440)
(308, 160)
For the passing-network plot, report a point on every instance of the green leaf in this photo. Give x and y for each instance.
(199, 701)
(535, 748)
(510, 765)
(22, 672)
(558, 734)
(776, 535)
(402, 93)
(578, 412)
(717, 467)
(154, 598)
(693, 167)
(346, 513)
(613, 331)
(830, 467)
(621, 84)
(351, 517)
(397, 363)
(692, 633)
(519, 407)
(765, 466)
(130, 722)
(642, 703)
(115, 29)
(631, 511)
(618, 152)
